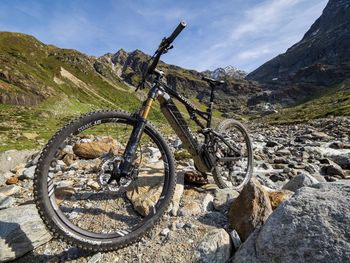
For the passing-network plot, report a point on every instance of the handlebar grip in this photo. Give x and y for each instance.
(177, 31)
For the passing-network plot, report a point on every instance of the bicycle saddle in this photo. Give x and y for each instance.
(213, 81)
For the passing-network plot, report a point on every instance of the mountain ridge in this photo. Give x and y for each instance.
(321, 57)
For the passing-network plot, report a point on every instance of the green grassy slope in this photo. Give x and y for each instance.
(30, 69)
(51, 86)
(335, 102)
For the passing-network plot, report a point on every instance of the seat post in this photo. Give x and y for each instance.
(212, 86)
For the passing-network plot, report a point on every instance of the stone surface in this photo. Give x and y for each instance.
(278, 197)
(250, 210)
(12, 180)
(145, 191)
(207, 203)
(223, 198)
(21, 230)
(179, 189)
(299, 181)
(312, 226)
(190, 209)
(29, 173)
(30, 135)
(332, 169)
(6, 201)
(92, 150)
(9, 159)
(342, 160)
(215, 247)
(236, 241)
(9, 189)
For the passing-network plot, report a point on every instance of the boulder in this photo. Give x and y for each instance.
(250, 209)
(215, 247)
(299, 181)
(312, 226)
(21, 230)
(342, 160)
(92, 150)
(191, 208)
(179, 189)
(145, 192)
(9, 189)
(278, 197)
(332, 169)
(10, 159)
(223, 198)
(6, 201)
(29, 135)
(28, 173)
(12, 180)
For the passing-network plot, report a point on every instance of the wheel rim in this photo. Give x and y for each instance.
(86, 207)
(234, 174)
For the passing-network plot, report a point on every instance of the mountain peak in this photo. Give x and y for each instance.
(228, 71)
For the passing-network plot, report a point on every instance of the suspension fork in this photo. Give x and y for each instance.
(135, 137)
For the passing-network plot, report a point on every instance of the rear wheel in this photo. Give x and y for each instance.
(71, 187)
(237, 169)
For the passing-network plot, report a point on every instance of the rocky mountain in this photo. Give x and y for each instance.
(321, 58)
(231, 97)
(42, 86)
(228, 71)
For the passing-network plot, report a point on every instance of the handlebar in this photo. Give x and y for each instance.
(176, 32)
(164, 46)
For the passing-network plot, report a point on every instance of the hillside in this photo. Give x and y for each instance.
(129, 66)
(334, 102)
(321, 58)
(42, 86)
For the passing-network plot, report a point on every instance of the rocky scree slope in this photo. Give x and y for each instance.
(204, 223)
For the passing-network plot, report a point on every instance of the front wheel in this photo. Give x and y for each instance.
(234, 167)
(74, 195)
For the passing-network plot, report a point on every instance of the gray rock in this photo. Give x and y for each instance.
(165, 232)
(311, 168)
(191, 208)
(264, 180)
(10, 159)
(95, 258)
(342, 160)
(207, 203)
(6, 201)
(271, 144)
(223, 198)
(300, 181)
(28, 173)
(312, 226)
(236, 241)
(332, 169)
(215, 247)
(21, 230)
(179, 189)
(9, 189)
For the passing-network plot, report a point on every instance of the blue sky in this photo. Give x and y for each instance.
(241, 33)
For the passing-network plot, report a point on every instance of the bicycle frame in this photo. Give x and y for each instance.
(203, 161)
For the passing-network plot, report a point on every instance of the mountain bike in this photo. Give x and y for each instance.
(107, 177)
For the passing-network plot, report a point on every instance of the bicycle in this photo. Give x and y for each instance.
(125, 177)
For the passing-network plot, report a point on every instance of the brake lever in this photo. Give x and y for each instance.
(167, 49)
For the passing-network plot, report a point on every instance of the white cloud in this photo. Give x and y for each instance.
(264, 17)
(262, 32)
(254, 53)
